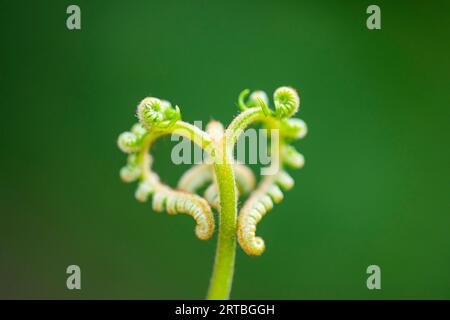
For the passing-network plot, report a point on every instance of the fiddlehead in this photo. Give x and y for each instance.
(158, 118)
(287, 102)
(261, 200)
(224, 179)
(153, 112)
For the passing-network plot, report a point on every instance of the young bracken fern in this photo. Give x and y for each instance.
(223, 179)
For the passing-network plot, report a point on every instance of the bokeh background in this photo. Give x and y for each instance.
(375, 188)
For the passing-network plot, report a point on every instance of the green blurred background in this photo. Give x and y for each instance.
(375, 188)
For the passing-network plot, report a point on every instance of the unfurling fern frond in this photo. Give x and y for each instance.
(175, 202)
(287, 102)
(257, 205)
(132, 171)
(222, 179)
(155, 113)
(158, 115)
(132, 141)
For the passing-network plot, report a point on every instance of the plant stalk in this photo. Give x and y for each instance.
(222, 276)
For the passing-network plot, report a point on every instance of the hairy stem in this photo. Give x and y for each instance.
(222, 276)
(240, 123)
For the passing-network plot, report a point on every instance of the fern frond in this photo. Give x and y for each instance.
(257, 205)
(287, 102)
(293, 128)
(132, 141)
(132, 171)
(156, 113)
(158, 116)
(292, 158)
(175, 202)
(225, 180)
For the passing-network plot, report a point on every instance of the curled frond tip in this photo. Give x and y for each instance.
(287, 102)
(153, 112)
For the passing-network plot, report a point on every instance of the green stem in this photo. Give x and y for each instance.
(222, 276)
